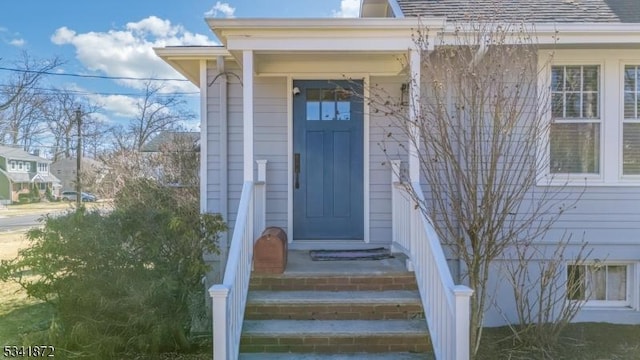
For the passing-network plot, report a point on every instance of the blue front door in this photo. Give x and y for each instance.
(328, 160)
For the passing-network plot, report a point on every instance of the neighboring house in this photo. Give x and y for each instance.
(21, 171)
(266, 89)
(169, 140)
(173, 157)
(93, 173)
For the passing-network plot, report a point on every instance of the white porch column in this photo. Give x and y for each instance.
(247, 101)
(203, 137)
(414, 115)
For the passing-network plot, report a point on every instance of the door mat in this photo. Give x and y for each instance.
(336, 255)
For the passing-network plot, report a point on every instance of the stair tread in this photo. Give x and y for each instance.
(354, 356)
(335, 328)
(338, 297)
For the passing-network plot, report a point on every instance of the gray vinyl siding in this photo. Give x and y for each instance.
(270, 136)
(379, 166)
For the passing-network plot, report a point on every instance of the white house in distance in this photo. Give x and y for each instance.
(283, 144)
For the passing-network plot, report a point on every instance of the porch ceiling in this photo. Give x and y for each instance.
(286, 63)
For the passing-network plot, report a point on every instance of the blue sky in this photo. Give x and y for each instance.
(114, 38)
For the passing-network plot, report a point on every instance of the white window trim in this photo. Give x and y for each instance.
(632, 288)
(13, 165)
(560, 179)
(611, 62)
(629, 179)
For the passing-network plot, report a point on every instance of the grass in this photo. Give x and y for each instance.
(46, 207)
(19, 314)
(579, 341)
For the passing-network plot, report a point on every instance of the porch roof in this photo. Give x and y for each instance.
(30, 177)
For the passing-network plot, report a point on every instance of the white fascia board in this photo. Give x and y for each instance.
(334, 28)
(186, 59)
(388, 44)
(191, 52)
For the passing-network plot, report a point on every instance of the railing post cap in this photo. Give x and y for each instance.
(218, 290)
(462, 290)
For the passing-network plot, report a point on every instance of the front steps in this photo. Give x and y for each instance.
(334, 316)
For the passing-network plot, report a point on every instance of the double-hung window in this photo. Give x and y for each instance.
(575, 128)
(631, 121)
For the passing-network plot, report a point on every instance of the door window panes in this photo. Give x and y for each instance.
(313, 104)
(328, 104)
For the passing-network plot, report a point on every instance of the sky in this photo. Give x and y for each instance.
(115, 39)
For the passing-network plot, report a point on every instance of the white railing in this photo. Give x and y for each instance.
(230, 297)
(446, 305)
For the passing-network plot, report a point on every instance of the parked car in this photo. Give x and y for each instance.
(73, 196)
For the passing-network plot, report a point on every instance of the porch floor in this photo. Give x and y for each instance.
(299, 263)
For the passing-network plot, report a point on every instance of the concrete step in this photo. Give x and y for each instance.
(402, 280)
(334, 336)
(334, 305)
(352, 356)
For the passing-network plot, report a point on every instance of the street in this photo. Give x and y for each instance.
(19, 222)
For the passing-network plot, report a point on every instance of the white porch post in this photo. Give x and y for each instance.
(247, 110)
(203, 137)
(414, 115)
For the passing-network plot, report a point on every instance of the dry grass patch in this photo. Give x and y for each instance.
(579, 341)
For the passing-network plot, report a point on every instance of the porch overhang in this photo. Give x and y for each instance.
(186, 59)
(290, 46)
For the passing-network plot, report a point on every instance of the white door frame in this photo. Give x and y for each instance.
(327, 244)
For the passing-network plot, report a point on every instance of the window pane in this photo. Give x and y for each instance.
(328, 105)
(590, 105)
(617, 282)
(597, 283)
(575, 148)
(313, 104)
(590, 78)
(574, 78)
(557, 105)
(630, 78)
(344, 110)
(573, 105)
(575, 282)
(631, 149)
(557, 78)
(629, 105)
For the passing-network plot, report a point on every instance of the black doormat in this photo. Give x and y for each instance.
(336, 255)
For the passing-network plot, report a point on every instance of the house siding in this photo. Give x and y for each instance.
(5, 189)
(380, 169)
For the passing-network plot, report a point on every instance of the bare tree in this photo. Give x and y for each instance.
(479, 126)
(59, 114)
(21, 102)
(32, 71)
(157, 111)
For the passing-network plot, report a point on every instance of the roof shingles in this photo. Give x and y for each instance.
(539, 11)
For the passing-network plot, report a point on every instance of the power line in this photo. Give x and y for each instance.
(90, 76)
(43, 90)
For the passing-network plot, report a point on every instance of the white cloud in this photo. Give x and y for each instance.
(220, 7)
(348, 8)
(118, 105)
(129, 52)
(17, 42)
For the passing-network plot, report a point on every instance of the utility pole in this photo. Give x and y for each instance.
(79, 158)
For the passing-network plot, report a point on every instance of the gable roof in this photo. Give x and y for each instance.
(166, 138)
(19, 154)
(538, 11)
